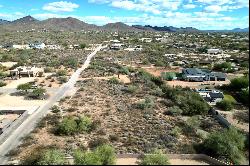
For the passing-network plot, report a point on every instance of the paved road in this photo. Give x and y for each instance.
(30, 123)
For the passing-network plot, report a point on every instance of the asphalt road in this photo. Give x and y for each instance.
(29, 124)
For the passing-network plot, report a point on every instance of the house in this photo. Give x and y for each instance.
(214, 51)
(198, 75)
(37, 45)
(211, 96)
(21, 47)
(147, 40)
(116, 46)
(26, 71)
(53, 47)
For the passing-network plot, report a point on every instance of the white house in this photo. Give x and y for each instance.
(37, 45)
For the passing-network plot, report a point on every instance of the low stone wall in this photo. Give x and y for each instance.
(220, 118)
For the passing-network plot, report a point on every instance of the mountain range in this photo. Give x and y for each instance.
(73, 24)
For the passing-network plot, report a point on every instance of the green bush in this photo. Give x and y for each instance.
(52, 157)
(55, 109)
(146, 104)
(132, 89)
(239, 83)
(37, 93)
(157, 92)
(44, 156)
(97, 142)
(61, 72)
(24, 87)
(68, 126)
(107, 154)
(86, 158)
(113, 80)
(175, 111)
(225, 105)
(228, 143)
(156, 158)
(48, 70)
(103, 155)
(176, 131)
(2, 84)
(169, 76)
(84, 124)
(62, 79)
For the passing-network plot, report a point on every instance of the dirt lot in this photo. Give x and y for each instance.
(197, 84)
(156, 71)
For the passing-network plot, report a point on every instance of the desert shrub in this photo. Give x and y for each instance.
(157, 92)
(156, 158)
(244, 96)
(192, 124)
(230, 99)
(52, 157)
(102, 155)
(225, 105)
(146, 104)
(175, 111)
(61, 72)
(62, 79)
(2, 84)
(44, 156)
(107, 154)
(99, 141)
(113, 80)
(191, 103)
(124, 70)
(68, 126)
(228, 143)
(176, 131)
(86, 158)
(113, 138)
(37, 93)
(48, 70)
(239, 83)
(84, 124)
(132, 89)
(169, 76)
(24, 87)
(55, 109)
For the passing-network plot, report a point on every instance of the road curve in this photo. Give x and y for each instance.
(29, 124)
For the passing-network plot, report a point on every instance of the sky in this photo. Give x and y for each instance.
(201, 14)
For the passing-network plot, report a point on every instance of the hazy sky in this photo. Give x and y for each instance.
(201, 14)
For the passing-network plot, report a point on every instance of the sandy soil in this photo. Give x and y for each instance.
(9, 116)
(18, 101)
(187, 162)
(123, 78)
(196, 84)
(15, 83)
(156, 71)
(134, 161)
(127, 161)
(229, 116)
(8, 64)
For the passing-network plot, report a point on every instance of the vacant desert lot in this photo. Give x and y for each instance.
(134, 161)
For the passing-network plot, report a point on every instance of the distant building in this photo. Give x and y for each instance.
(147, 40)
(26, 71)
(37, 45)
(116, 46)
(21, 47)
(214, 51)
(198, 75)
(211, 96)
